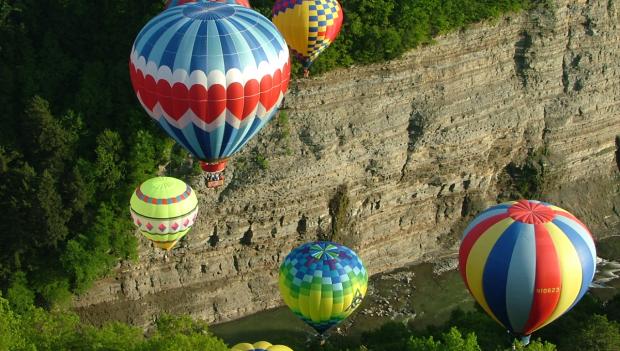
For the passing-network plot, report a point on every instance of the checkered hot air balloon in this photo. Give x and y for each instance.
(172, 3)
(212, 75)
(526, 263)
(260, 346)
(164, 210)
(309, 26)
(322, 283)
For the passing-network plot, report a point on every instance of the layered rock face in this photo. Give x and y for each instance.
(392, 159)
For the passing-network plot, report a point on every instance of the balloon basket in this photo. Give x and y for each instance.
(216, 183)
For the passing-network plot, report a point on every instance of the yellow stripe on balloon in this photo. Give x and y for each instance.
(280, 348)
(570, 271)
(244, 346)
(262, 345)
(293, 24)
(477, 259)
(304, 304)
(315, 302)
(327, 302)
(286, 294)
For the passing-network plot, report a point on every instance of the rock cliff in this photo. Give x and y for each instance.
(392, 159)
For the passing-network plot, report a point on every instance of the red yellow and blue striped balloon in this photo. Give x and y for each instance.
(309, 26)
(526, 263)
(212, 75)
(172, 3)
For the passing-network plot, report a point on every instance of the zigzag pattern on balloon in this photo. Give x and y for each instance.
(206, 103)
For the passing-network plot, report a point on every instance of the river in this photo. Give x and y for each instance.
(421, 295)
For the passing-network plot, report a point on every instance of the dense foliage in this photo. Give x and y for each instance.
(37, 329)
(75, 142)
(378, 30)
(592, 325)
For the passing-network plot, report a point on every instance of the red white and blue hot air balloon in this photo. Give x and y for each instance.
(171, 3)
(212, 75)
(526, 263)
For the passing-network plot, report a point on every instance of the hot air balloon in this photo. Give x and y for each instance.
(309, 26)
(171, 3)
(164, 210)
(322, 283)
(260, 346)
(212, 75)
(526, 263)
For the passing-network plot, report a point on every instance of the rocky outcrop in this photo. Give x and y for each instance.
(389, 159)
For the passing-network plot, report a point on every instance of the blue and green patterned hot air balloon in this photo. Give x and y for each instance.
(322, 283)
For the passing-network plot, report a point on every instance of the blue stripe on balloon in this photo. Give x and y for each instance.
(495, 276)
(204, 142)
(228, 47)
(174, 46)
(257, 124)
(145, 45)
(161, 42)
(244, 53)
(521, 277)
(185, 49)
(495, 210)
(154, 26)
(268, 30)
(253, 44)
(178, 135)
(215, 54)
(584, 248)
(270, 39)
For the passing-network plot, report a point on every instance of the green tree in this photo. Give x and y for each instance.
(450, 341)
(183, 333)
(597, 334)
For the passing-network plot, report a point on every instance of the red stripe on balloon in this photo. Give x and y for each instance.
(548, 281)
(252, 95)
(180, 101)
(286, 76)
(216, 103)
(471, 238)
(235, 100)
(198, 101)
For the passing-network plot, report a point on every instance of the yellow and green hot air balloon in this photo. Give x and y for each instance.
(260, 346)
(322, 283)
(164, 209)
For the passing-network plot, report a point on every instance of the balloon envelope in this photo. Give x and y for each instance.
(164, 210)
(260, 346)
(527, 263)
(322, 283)
(171, 3)
(211, 74)
(309, 26)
